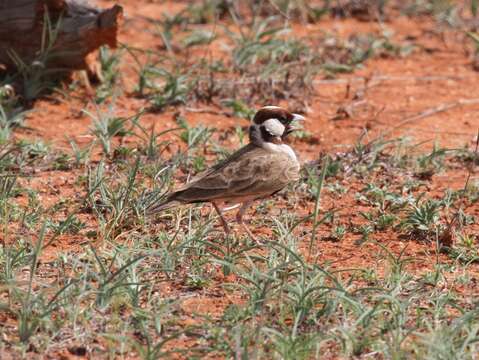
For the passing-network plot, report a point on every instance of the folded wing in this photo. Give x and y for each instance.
(250, 172)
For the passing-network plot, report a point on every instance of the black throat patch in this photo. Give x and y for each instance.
(267, 137)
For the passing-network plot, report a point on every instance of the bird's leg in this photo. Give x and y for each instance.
(223, 221)
(239, 219)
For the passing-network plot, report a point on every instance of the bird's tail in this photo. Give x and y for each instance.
(163, 204)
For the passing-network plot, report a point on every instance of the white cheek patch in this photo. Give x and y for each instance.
(274, 127)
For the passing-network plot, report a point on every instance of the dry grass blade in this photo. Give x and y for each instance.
(319, 188)
(470, 169)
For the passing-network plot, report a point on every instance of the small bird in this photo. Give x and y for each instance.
(258, 170)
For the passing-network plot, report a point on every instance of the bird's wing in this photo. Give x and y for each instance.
(230, 159)
(250, 171)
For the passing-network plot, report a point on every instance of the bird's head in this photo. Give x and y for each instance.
(273, 124)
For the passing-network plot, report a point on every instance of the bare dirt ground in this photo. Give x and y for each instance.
(429, 95)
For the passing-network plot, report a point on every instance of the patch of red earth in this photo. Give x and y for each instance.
(395, 89)
(200, 306)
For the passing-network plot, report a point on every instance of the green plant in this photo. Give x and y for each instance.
(11, 114)
(106, 127)
(173, 88)
(422, 220)
(198, 37)
(109, 73)
(71, 225)
(38, 76)
(193, 136)
(338, 232)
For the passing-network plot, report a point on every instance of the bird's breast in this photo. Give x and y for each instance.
(282, 149)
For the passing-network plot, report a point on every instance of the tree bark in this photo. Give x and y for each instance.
(57, 34)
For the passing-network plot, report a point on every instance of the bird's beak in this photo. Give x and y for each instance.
(297, 117)
(294, 125)
(296, 122)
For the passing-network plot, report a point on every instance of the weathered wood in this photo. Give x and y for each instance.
(79, 28)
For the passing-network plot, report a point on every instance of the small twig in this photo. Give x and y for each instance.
(208, 111)
(347, 111)
(386, 78)
(470, 169)
(425, 114)
(276, 7)
(460, 133)
(316, 221)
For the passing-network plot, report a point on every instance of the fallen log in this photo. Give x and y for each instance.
(58, 34)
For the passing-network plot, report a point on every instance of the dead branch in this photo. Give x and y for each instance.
(58, 33)
(425, 114)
